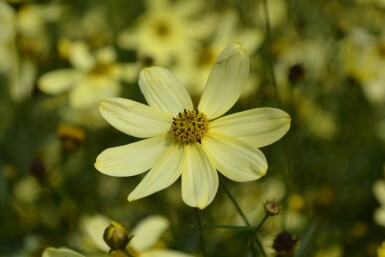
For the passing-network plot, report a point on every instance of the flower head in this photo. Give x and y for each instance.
(116, 236)
(142, 241)
(94, 76)
(187, 142)
(167, 31)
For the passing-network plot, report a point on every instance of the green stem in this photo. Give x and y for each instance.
(261, 223)
(286, 149)
(230, 227)
(270, 52)
(239, 210)
(200, 227)
(253, 235)
(235, 203)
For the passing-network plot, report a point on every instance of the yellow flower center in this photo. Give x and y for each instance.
(189, 126)
(162, 28)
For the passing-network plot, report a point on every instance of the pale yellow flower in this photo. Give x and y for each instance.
(167, 30)
(146, 235)
(300, 62)
(94, 76)
(24, 42)
(363, 59)
(193, 70)
(187, 142)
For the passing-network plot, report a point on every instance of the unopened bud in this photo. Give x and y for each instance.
(116, 236)
(271, 208)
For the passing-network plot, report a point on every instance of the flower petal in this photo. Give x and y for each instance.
(80, 56)
(164, 253)
(163, 90)
(199, 177)
(234, 158)
(134, 118)
(132, 159)
(94, 226)
(147, 232)
(91, 89)
(379, 216)
(378, 189)
(259, 127)
(164, 173)
(57, 81)
(60, 252)
(226, 81)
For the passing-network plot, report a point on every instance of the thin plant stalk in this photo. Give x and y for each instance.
(242, 214)
(200, 227)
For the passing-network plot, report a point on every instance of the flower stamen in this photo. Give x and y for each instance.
(189, 126)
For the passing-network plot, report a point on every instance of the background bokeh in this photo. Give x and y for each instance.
(322, 61)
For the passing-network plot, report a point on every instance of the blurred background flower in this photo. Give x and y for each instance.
(320, 61)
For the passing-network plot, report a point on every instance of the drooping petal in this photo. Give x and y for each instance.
(259, 127)
(60, 252)
(226, 81)
(234, 158)
(57, 81)
(199, 177)
(132, 159)
(147, 232)
(164, 253)
(164, 173)
(134, 118)
(164, 91)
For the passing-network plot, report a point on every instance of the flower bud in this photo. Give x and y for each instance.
(271, 208)
(116, 236)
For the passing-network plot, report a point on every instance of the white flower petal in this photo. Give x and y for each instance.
(80, 56)
(199, 177)
(57, 81)
(226, 81)
(379, 191)
(162, 90)
(134, 118)
(164, 173)
(60, 252)
(147, 232)
(234, 158)
(91, 89)
(379, 216)
(259, 127)
(132, 159)
(164, 253)
(94, 226)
